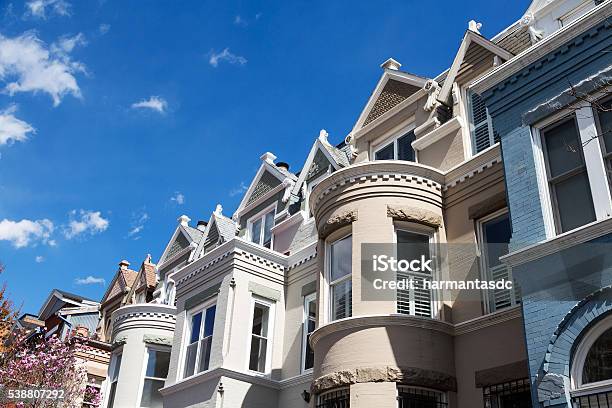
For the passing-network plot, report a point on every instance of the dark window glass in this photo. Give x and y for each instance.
(563, 148)
(598, 363)
(158, 363)
(259, 338)
(574, 202)
(404, 147)
(497, 234)
(386, 153)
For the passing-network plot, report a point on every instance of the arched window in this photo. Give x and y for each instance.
(598, 362)
(592, 362)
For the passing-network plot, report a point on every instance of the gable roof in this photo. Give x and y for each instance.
(336, 157)
(219, 228)
(58, 299)
(189, 235)
(122, 282)
(392, 88)
(146, 277)
(472, 47)
(269, 169)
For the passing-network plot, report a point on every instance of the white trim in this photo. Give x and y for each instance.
(438, 134)
(113, 363)
(143, 374)
(542, 180)
(163, 261)
(392, 137)
(580, 355)
(317, 145)
(327, 275)
(296, 218)
(200, 308)
(309, 186)
(264, 166)
(305, 320)
(270, 304)
(261, 215)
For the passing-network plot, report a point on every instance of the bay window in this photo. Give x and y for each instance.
(309, 324)
(113, 378)
(156, 371)
(340, 278)
(261, 330)
(260, 228)
(415, 300)
(398, 148)
(197, 355)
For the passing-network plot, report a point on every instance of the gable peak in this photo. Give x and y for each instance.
(183, 220)
(219, 210)
(391, 64)
(474, 26)
(123, 264)
(268, 157)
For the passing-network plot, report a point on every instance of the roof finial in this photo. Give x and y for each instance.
(391, 64)
(323, 135)
(123, 265)
(268, 157)
(474, 26)
(184, 220)
(219, 210)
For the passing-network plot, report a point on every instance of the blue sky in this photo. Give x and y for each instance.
(116, 117)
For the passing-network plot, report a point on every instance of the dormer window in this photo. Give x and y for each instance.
(397, 148)
(260, 227)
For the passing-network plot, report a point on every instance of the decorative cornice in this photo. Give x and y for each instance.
(216, 373)
(302, 256)
(470, 168)
(543, 47)
(488, 320)
(438, 133)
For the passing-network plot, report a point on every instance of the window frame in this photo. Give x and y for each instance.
(202, 307)
(580, 355)
(392, 137)
(310, 185)
(116, 355)
(261, 215)
(595, 167)
(310, 298)
(484, 258)
(270, 304)
(143, 376)
(333, 238)
(431, 233)
(607, 156)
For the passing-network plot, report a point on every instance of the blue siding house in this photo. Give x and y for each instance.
(550, 107)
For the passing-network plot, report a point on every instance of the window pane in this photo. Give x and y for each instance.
(605, 122)
(158, 363)
(404, 147)
(257, 361)
(117, 367)
(341, 258)
(256, 231)
(412, 246)
(342, 300)
(260, 320)
(563, 148)
(190, 359)
(196, 322)
(574, 202)
(205, 344)
(150, 394)
(496, 238)
(268, 224)
(309, 326)
(386, 153)
(111, 394)
(209, 322)
(598, 363)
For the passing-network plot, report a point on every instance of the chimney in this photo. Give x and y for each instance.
(184, 220)
(201, 225)
(391, 64)
(283, 165)
(123, 265)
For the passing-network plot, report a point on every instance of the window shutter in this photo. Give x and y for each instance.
(483, 135)
(414, 301)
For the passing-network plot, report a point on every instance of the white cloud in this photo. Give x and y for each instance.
(25, 232)
(137, 225)
(227, 56)
(239, 21)
(40, 8)
(178, 198)
(155, 103)
(13, 129)
(39, 259)
(26, 65)
(90, 280)
(238, 190)
(83, 222)
(104, 28)
(65, 44)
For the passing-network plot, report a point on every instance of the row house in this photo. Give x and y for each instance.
(552, 110)
(272, 306)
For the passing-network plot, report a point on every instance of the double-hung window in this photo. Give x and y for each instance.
(197, 356)
(260, 228)
(399, 148)
(340, 278)
(156, 372)
(481, 127)
(416, 300)
(310, 322)
(567, 177)
(261, 330)
(494, 234)
(114, 377)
